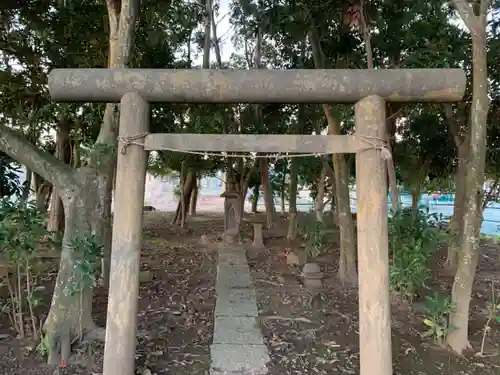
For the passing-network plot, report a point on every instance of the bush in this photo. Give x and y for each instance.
(438, 309)
(22, 228)
(413, 238)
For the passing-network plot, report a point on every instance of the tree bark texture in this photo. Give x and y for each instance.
(63, 153)
(474, 177)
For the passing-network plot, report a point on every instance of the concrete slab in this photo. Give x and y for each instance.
(245, 372)
(236, 303)
(231, 276)
(248, 359)
(237, 330)
(233, 259)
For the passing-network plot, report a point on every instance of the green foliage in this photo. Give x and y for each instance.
(315, 238)
(413, 238)
(97, 154)
(9, 176)
(438, 309)
(88, 251)
(21, 229)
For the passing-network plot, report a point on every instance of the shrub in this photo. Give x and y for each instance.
(413, 237)
(438, 309)
(22, 228)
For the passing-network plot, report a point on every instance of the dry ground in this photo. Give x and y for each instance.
(176, 314)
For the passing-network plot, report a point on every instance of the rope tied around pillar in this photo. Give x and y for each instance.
(376, 143)
(131, 140)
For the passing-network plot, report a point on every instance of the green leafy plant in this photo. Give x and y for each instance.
(85, 273)
(438, 309)
(314, 236)
(22, 229)
(43, 346)
(413, 237)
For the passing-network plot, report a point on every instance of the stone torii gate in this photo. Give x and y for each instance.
(135, 89)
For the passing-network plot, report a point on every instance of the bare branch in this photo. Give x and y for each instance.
(216, 42)
(483, 10)
(466, 12)
(49, 167)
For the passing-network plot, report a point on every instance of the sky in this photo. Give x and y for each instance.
(224, 33)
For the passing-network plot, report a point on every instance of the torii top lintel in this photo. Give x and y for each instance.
(292, 86)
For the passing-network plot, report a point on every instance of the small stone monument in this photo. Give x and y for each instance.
(258, 237)
(312, 276)
(232, 213)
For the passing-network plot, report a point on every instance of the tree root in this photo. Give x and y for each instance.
(60, 343)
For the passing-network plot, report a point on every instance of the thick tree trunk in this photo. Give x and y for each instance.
(70, 312)
(320, 197)
(185, 198)
(268, 193)
(472, 215)
(84, 199)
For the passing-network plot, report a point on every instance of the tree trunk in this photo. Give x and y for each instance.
(456, 222)
(292, 203)
(333, 205)
(183, 206)
(42, 189)
(70, 312)
(268, 194)
(474, 179)
(283, 194)
(415, 198)
(85, 198)
(194, 199)
(27, 185)
(63, 153)
(255, 198)
(347, 262)
(320, 197)
(122, 19)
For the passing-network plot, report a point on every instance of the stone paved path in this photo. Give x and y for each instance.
(238, 346)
